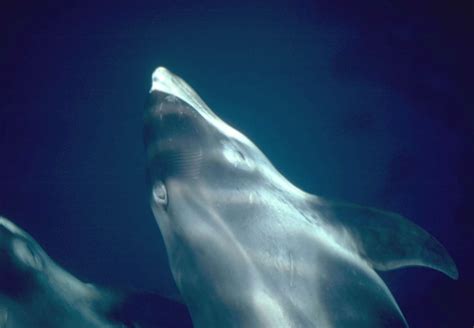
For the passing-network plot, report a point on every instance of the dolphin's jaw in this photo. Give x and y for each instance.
(165, 81)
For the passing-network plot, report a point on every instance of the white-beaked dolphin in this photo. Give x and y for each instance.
(37, 293)
(249, 249)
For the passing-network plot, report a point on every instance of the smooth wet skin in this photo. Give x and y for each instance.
(249, 249)
(36, 293)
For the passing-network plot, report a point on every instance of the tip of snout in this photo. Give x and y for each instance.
(162, 80)
(10, 226)
(161, 74)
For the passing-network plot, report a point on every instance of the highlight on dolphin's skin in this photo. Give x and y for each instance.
(36, 293)
(247, 248)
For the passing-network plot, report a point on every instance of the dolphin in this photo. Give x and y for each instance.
(247, 248)
(36, 292)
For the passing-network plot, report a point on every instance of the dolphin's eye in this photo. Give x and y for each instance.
(160, 195)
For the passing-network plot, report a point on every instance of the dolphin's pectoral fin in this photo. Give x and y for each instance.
(386, 240)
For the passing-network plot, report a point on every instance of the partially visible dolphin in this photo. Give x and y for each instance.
(249, 249)
(36, 293)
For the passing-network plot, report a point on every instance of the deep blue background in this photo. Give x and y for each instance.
(369, 102)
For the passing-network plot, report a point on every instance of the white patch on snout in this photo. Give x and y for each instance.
(165, 81)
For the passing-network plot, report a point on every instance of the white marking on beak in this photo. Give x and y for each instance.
(165, 81)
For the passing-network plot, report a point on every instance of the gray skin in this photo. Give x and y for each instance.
(249, 249)
(36, 293)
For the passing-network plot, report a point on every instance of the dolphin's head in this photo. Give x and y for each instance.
(21, 258)
(188, 147)
(176, 134)
(185, 140)
(194, 159)
(36, 292)
(25, 266)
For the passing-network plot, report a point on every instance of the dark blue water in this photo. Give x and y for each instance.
(368, 102)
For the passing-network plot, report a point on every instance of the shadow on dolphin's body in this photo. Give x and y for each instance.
(249, 249)
(36, 293)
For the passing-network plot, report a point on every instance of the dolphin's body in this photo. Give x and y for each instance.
(36, 293)
(249, 249)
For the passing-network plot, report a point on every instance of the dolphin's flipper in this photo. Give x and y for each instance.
(386, 240)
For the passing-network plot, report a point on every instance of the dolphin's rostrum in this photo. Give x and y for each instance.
(249, 249)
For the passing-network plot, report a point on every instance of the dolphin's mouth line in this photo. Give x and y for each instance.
(166, 82)
(169, 105)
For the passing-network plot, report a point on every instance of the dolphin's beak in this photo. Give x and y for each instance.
(166, 82)
(162, 80)
(6, 226)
